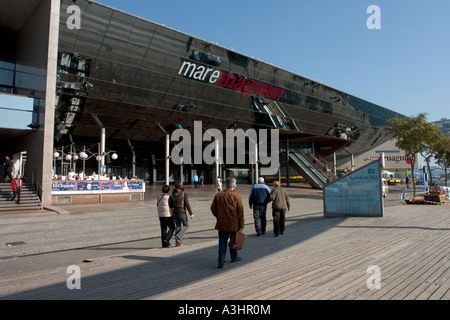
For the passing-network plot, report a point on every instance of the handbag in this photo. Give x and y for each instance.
(237, 241)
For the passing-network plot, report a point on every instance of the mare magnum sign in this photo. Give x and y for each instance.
(205, 73)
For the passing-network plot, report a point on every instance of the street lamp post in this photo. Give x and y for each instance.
(55, 156)
(84, 155)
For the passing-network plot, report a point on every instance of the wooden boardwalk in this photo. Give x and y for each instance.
(315, 259)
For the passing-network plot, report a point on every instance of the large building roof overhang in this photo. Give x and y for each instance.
(140, 74)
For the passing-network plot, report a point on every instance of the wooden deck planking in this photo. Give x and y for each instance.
(435, 278)
(398, 267)
(315, 259)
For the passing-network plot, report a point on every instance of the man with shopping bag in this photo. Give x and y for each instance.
(228, 209)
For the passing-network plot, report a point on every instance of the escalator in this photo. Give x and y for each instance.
(311, 169)
(271, 114)
(313, 175)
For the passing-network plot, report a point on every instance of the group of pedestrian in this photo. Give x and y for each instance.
(172, 213)
(260, 196)
(228, 209)
(199, 182)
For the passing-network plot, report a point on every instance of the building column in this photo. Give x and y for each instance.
(167, 161)
(287, 161)
(50, 101)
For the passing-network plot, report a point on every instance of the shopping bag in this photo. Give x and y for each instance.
(237, 240)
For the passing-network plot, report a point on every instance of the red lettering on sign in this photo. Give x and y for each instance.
(231, 81)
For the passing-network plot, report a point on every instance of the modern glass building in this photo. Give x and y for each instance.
(113, 83)
(443, 125)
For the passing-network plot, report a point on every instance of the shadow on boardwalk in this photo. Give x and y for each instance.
(163, 270)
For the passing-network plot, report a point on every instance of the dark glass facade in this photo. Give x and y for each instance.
(137, 77)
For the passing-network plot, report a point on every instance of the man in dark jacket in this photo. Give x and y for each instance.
(9, 166)
(259, 196)
(228, 209)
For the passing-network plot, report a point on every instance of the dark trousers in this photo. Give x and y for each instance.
(167, 230)
(16, 193)
(9, 175)
(223, 244)
(259, 215)
(279, 218)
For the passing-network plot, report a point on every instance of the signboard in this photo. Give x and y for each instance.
(88, 185)
(112, 185)
(394, 158)
(134, 184)
(194, 70)
(96, 186)
(358, 194)
(64, 186)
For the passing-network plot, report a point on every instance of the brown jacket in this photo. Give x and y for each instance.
(280, 199)
(228, 208)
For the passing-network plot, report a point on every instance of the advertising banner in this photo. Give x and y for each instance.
(64, 186)
(88, 185)
(95, 186)
(135, 184)
(112, 185)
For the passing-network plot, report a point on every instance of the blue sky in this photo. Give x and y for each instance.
(404, 66)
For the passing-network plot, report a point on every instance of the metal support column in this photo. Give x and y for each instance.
(102, 145)
(287, 161)
(217, 163)
(133, 159)
(334, 163)
(167, 165)
(256, 163)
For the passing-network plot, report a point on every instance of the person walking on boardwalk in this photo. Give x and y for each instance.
(195, 180)
(165, 217)
(179, 203)
(219, 184)
(280, 204)
(228, 209)
(259, 196)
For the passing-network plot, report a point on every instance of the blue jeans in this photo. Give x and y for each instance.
(259, 215)
(223, 244)
(181, 225)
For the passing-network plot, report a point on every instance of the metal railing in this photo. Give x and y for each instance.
(312, 174)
